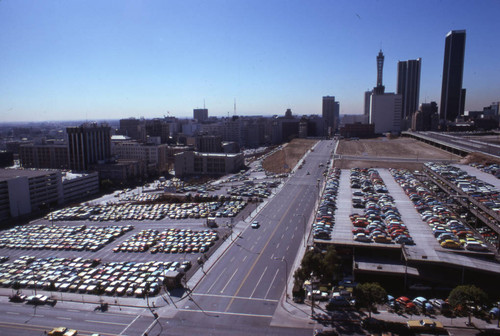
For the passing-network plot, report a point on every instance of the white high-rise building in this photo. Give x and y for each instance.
(385, 112)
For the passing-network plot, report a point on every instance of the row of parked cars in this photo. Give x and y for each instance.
(447, 228)
(169, 241)
(485, 193)
(158, 211)
(61, 237)
(419, 305)
(325, 220)
(262, 189)
(490, 168)
(88, 276)
(381, 221)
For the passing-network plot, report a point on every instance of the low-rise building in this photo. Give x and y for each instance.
(195, 163)
(78, 186)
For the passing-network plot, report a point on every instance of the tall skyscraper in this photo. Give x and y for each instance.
(379, 89)
(452, 94)
(409, 86)
(331, 110)
(88, 144)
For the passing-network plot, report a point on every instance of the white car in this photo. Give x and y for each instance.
(255, 225)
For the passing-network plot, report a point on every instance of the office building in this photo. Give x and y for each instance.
(79, 186)
(195, 163)
(330, 114)
(88, 144)
(23, 191)
(385, 112)
(200, 114)
(409, 86)
(452, 93)
(50, 156)
(152, 157)
(426, 118)
(133, 128)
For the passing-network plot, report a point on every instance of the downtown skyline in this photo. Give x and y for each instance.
(92, 60)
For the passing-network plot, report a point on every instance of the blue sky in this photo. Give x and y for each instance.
(67, 60)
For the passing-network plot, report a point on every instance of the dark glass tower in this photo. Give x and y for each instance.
(409, 86)
(330, 114)
(452, 94)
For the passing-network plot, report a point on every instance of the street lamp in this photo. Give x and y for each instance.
(286, 275)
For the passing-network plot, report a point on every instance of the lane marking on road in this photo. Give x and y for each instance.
(245, 258)
(106, 322)
(263, 249)
(63, 318)
(73, 310)
(235, 297)
(271, 284)
(287, 247)
(277, 245)
(232, 259)
(132, 322)
(12, 313)
(217, 280)
(231, 278)
(258, 282)
(225, 313)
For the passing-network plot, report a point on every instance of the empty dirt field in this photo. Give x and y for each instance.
(285, 159)
(389, 153)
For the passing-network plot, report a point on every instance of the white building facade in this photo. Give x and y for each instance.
(385, 112)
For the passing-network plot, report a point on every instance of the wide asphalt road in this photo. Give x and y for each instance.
(244, 287)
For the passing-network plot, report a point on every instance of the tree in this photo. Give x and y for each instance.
(467, 296)
(368, 294)
(330, 264)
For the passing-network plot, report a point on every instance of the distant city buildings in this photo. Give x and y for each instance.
(452, 93)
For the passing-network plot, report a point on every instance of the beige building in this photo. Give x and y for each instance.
(195, 163)
(153, 157)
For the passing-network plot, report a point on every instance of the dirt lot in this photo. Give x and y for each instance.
(389, 153)
(284, 160)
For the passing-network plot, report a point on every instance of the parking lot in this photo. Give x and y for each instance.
(123, 243)
(414, 214)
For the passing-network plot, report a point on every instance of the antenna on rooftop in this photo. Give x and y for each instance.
(234, 106)
(203, 103)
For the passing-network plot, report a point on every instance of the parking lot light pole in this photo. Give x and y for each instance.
(286, 275)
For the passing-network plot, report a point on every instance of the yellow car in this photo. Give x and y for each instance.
(451, 244)
(59, 331)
